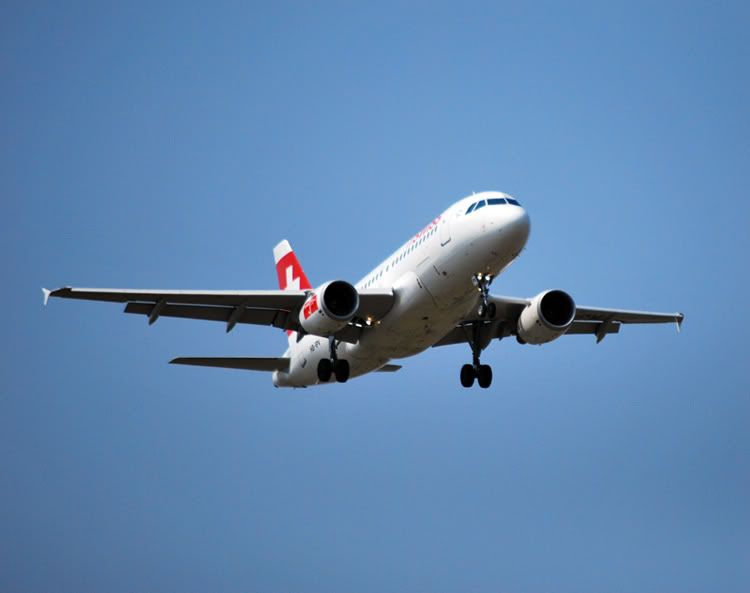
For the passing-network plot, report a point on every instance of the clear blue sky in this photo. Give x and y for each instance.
(172, 146)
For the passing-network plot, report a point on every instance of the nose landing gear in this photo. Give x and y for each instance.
(333, 365)
(482, 373)
(482, 283)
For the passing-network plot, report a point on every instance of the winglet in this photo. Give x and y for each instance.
(678, 321)
(46, 293)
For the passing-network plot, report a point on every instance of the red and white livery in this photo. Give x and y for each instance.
(431, 291)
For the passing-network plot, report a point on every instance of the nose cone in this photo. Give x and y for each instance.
(517, 226)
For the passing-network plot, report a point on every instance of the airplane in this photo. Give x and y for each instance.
(432, 291)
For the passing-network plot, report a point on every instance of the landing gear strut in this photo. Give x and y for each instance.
(333, 365)
(482, 283)
(476, 370)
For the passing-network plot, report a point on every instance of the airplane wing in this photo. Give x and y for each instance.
(277, 308)
(597, 321)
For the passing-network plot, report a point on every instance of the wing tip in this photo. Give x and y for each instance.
(63, 292)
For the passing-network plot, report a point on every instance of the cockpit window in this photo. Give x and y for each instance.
(491, 202)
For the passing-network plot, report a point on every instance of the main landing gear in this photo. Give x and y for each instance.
(333, 365)
(481, 372)
(476, 370)
(482, 283)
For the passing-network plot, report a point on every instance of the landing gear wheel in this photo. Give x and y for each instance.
(325, 369)
(341, 370)
(484, 376)
(482, 373)
(467, 375)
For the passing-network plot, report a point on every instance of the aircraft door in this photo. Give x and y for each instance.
(445, 231)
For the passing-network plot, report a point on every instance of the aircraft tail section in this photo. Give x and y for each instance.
(288, 269)
(290, 273)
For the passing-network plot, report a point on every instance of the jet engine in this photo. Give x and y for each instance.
(329, 308)
(548, 316)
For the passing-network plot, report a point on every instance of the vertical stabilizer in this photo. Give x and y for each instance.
(288, 269)
(290, 273)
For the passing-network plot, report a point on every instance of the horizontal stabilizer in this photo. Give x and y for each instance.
(245, 364)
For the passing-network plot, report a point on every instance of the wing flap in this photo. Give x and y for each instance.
(461, 334)
(244, 364)
(593, 327)
(271, 317)
(501, 329)
(275, 317)
(625, 316)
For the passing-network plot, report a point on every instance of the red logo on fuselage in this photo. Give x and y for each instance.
(426, 229)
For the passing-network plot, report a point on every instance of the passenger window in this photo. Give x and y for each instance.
(496, 201)
(481, 204)
(471, 208)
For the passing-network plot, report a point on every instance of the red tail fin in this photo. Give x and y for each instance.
(288, 269)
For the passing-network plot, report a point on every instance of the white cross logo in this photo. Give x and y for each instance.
(292, 283)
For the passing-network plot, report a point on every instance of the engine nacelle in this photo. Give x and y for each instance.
(329, 308)
(549, 315)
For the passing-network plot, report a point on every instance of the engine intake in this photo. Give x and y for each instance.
(329, 308)
(547, 317)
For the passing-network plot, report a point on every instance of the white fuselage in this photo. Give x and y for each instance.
(430, 276)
